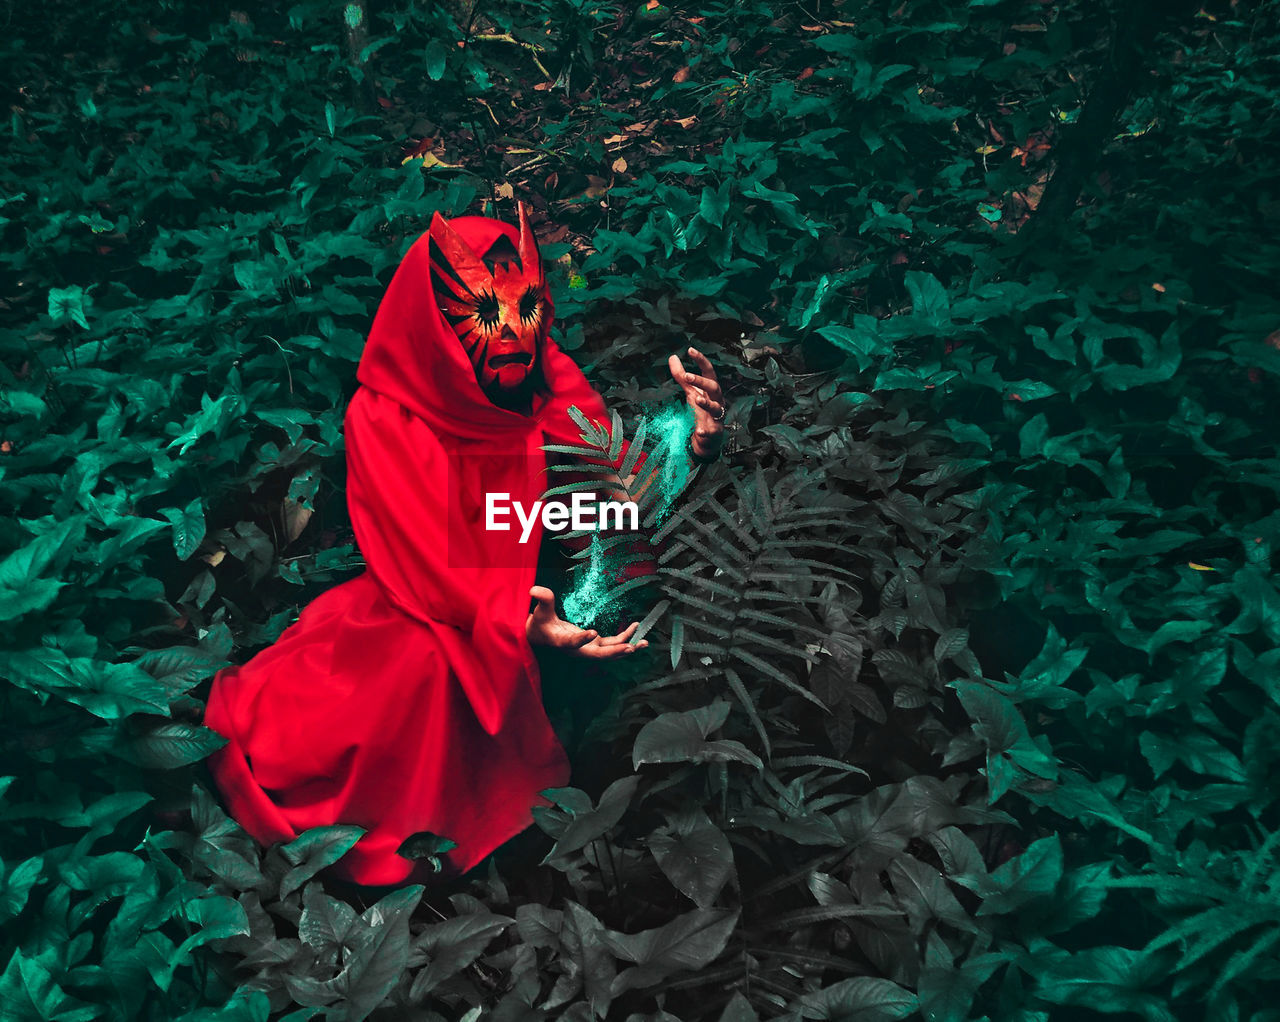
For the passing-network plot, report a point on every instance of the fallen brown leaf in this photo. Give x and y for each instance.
(296, 517)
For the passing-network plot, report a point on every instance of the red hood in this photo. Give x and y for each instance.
(413, 357)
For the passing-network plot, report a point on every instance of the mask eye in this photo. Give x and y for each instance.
(487, 309)
(529, 303)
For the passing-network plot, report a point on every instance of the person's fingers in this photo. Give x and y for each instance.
(676, 367)
(622, 636)
(714, 407)
(584, 637)
(704, 363)
(546, 602)
(710, 386)
(600, 652)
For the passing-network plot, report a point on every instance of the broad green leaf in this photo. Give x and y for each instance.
(694, 854)
(188, 527)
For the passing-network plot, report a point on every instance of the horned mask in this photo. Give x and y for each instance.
(496, 302)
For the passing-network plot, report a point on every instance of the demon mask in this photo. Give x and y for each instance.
(496, 302)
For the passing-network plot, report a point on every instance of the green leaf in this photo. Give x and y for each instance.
(218, 916)
(17, 886)
(586, 959)
(188, 527)
(714, 204)
(172, 744)
(380, 952)
(314, 849)
(452, 945)
(690, 941)
(682, 737)
(677, 640)
(28, 993)
(325, 921)
(21, 589)
(1031, 875)
(1113, 980)
(592, 824)
(862, 999)
(929, 299)
(68, 303)
(694, 855)
(434, 60)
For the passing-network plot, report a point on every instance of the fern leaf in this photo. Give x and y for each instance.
(823, 913)
(1239, 962)
(573, 452)
(650, 620)
(774, 644)
(768, 669)
(751, 614)
(688, 576)
(744, 697)
(835, 764)
(635, 450)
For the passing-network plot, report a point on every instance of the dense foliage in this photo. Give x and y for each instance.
(961, 699)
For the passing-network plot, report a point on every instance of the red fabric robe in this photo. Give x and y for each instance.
(408, 699)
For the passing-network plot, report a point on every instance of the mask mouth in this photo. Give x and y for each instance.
(515, 358)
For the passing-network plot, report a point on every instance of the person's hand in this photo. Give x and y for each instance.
(544, 627)
(702, 391)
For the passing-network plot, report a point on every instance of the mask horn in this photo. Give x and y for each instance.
(457, 259)
(530, 260)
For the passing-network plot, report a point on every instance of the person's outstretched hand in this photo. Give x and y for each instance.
(545, 627)
(702, 392)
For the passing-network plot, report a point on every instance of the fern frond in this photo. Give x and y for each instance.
(650, 620)
(835, 764)
(705, 648)
(575, 452)
(770, 554)
(615, 437)
(823, 913)
(706, 583)
(689, 543)
(725, 614)
(584, 486)
(774, 619)
(817, 600)
(589, 428)
(744, 697)
(743, 536)
(768, 669)
(1241, 960)
(833, 801)
(715, 631)
(786, 576)
(635, 450)
(774, 644)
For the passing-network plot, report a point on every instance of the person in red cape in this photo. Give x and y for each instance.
(408, 699)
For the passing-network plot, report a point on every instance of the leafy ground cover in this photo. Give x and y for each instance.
(962, 700)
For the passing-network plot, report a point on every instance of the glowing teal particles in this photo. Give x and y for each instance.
(594, 595)
(599, 590)
(672, 425)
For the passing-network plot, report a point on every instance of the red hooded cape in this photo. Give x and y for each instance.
(408, 699)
